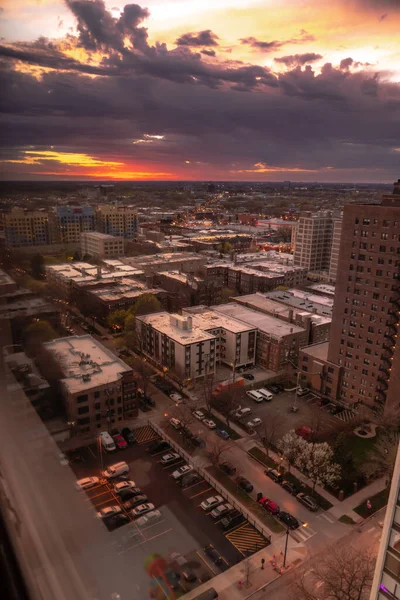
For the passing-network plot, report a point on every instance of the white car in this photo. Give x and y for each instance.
(199, 415)
(211, 502)
(176, 397)
(142, 509)
(185, 470)
(170, 458)
(86, 483)
(109, 511)
(254, 423)
(209, 423)
(255, 395)
(148, 519)
(221, 510)
(124, 485)
(175, 423)
(243, 412)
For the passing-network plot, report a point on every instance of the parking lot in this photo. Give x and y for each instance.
(183, 526)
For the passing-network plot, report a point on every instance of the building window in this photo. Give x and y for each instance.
(97, 406)
(97, 394)
(82, 410)
(83, 421)
(82, 398)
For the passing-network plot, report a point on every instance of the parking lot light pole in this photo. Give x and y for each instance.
(101, 453)
(286, 545)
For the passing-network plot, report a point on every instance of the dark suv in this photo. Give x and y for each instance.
(213, 554)
(228, 468)
(235, 518)
(245, 484)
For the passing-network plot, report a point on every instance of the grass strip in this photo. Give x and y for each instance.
(378, 501)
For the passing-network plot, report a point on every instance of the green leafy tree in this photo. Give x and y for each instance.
(145, 305)
(226, 294)
(36, 334)
(225, 248)
(77, 255)
(37, 266)
(116, 320)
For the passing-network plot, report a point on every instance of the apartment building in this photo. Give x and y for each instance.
(336, 237)
(120, 221)
(186, 262)
(318, 304)
(313, 241)
(317, 326)
(7, 284)
(172, 343)
(187, 289)
(277, 341)
(101, 245)
(26, 228)
(317, 372)
(98, 388)
(386, 582)
(68, 222)
(366, 314)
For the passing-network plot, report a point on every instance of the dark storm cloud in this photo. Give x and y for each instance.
(208, 52)
(298, 59)
(303, 37)
(346, 63)
(201, 38)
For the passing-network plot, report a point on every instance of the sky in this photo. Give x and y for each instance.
(256, 90)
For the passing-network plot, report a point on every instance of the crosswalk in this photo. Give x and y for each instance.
(327, 517)
(302, 534)
(145, 434)
(346, 416)
(247, 539)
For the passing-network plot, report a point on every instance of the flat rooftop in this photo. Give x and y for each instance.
(5, 278)
(162, 322)
(165, 257)
(323, 288)
(317, 350)
(265, 323)
(320, 305)
(101, 236)
(259, 301)
(26, 308)
(86, 363)
(123, 292)
(210, 319)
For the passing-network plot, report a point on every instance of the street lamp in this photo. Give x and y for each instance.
(286, 543)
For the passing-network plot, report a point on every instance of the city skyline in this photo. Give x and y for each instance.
(193, 91)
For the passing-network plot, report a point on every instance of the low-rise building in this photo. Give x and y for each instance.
(277, 342)
(317, 372)
(320, 305)
(120, 221)
(98, 388)
(101, 245)
(187, 289)
(7, 283)
(67, 223)
(187, 262)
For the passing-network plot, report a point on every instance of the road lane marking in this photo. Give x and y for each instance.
(91, 451)
(206, 563)
(200, 493)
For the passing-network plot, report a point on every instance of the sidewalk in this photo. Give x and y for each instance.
(227, 584)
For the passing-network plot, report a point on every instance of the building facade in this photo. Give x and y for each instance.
(336, 237)
(68, 222)
(98, 388)
(119, 221)
(26, 228)
(366, 310)
(101, 245)
(313, 243)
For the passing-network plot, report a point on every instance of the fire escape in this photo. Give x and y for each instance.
(389, 345)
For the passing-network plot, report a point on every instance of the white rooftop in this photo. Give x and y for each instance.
(262, 302)
(321, 305)
(162, 322)
(86, 363)
(209, 319)
(265, 323)
(100, 236)
(324, 288)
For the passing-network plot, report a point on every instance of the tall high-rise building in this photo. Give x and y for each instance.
(336, 237)
(121, 221)
(386, 582)
(313, 241)
(68, 222)
(366, 314)
(26, 227)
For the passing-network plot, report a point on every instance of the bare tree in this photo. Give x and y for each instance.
(346, 574)
(216, 447)
(226, 404)
(184, 415)
(380, 461)
(143, 369)
(268, 430)
(208, 386)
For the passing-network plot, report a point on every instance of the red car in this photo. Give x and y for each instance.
(304, 432)
(120, 442)
(270, 505)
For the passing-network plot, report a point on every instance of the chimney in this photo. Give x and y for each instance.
(98, 272)
(290, 316)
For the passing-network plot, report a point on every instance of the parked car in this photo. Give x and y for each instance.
(253, 395)
(175, 423)
(148, 519)
(302, 391)
(289, 520)
(289, 487)
(212, 553)
(274, 475)
(304, 432)
(129, 493)
(253, 423)
(129, 435)
(120, 441)
(176, 397)
(189, 575)
(232, 520)
(211, 502)
(189, 480)
(221, 510)
(116, 521)
(209, 423)
(86, 483)
(120, 468)
(158, 446)
(268, 396)
(123, 485)
(245, 484)
(140, 499)
(269, 505)
(248, 376)
(142, 510)
(196, 441)
(170, 458)
(222, 433)
(228, 467)
(199, 415)
(307, 501)
(109, 511)
(242, 412)
(144, 407)
(273, 387)
(182, 471)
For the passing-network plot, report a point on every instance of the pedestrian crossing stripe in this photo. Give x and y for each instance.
(145, 434)
(302, 534)
(345, 415)
(247, 540)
